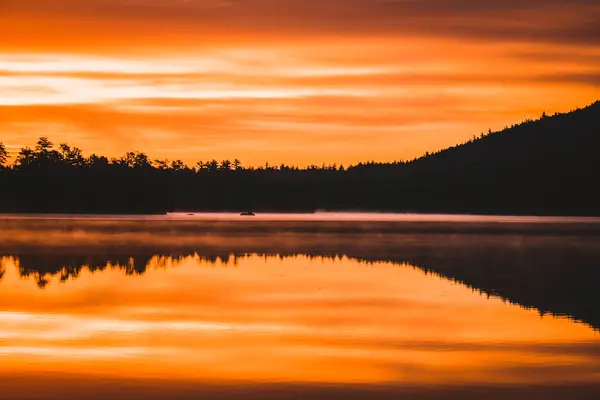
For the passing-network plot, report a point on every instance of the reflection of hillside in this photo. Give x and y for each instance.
(553, 274)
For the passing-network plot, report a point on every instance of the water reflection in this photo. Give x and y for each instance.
(152, 310)
(293, 319)
(555, 275)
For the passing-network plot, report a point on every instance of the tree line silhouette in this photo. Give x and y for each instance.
(541, 167)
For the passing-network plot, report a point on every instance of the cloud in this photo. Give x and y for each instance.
(556, 21)
(268, 79)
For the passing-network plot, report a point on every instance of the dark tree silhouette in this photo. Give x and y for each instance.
(548, 166)
(3, 155)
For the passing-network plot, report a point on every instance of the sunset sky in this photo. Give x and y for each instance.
(294, 81)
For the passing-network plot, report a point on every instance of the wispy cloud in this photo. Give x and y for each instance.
(269, 80)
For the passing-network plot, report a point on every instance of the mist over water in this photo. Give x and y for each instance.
(317, 216)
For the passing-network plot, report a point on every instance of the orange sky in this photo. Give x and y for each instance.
(288, 81)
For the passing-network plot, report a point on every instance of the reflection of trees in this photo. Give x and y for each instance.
(551, 277)
(42, 267)
(131, 266)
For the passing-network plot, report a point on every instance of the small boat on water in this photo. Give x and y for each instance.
(248, 214)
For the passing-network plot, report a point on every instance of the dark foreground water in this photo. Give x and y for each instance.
(299, 307)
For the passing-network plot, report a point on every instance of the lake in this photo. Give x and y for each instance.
(316, 306)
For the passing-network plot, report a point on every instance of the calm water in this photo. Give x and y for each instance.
(321, 306)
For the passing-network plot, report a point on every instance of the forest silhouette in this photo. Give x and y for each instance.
(543, 167)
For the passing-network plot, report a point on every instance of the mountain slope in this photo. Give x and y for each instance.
(548, 166)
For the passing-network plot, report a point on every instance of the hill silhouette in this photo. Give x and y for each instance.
(547, 166)
(543, 167)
